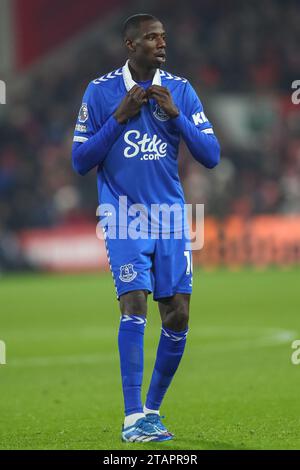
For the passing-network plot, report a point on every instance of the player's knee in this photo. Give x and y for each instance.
(177, 318)
(180, 320)
(134, 303)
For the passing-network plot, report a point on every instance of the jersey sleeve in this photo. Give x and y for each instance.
(196, 129)
(94, 136)
(88, 121)
(193, 110)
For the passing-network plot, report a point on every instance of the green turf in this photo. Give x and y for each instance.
(236, 387)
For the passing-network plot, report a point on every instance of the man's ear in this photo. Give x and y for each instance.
(130, 45)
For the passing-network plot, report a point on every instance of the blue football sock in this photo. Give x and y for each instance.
(169, 354)
(131, 349)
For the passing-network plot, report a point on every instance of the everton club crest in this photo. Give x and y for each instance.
(127, 273)
(160, 114)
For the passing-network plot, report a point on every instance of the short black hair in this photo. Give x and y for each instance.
(132, 24)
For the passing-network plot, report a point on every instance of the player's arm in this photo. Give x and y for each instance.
(87, 154)
(92, 142)
(92, 138)
(192, 123)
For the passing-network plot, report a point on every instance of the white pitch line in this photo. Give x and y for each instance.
(94, 332)
(44, 361)
(279, 338)
(268, 337)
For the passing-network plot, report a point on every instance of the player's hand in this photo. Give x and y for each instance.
(131, 104)
(164, 99)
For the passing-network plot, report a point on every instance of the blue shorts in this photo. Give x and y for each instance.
(161, 266)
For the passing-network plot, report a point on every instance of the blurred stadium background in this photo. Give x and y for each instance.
(62, 362)
(241, 57)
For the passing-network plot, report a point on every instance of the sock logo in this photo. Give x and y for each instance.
(127, 273)
(174, 337)
(134, 318)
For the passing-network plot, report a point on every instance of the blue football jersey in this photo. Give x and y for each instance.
(142, 162)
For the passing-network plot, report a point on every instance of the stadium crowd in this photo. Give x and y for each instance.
(225, 52)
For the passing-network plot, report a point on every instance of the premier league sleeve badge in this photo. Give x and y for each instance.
(83, 113)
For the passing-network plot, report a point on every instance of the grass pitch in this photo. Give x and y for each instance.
(236, 387)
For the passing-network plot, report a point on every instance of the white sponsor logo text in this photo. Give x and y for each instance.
(199, 118)
(146, 147)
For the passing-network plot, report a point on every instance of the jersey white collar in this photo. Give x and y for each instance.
(129, 82)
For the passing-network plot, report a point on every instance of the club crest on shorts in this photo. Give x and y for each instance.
(160, 114)
(127, 273)
(83, 113)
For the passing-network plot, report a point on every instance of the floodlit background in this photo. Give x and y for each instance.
(60, 387)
